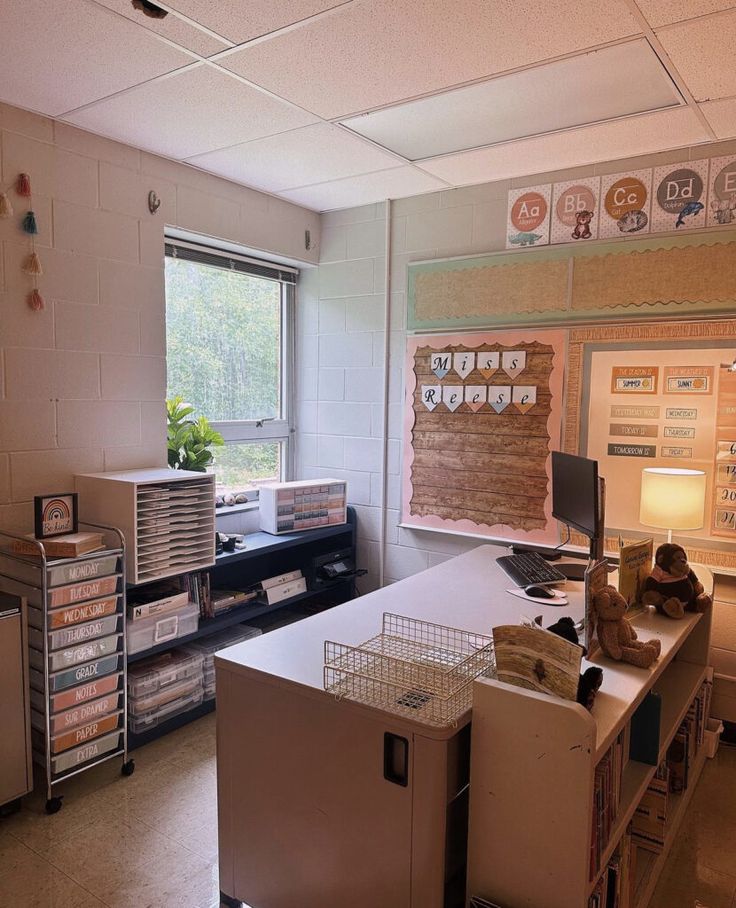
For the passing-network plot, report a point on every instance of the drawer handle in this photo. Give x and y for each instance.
(395, 759)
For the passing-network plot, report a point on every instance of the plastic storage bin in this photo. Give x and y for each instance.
(149, 676)
(84, 652)
(138, 706)
(98, 747)
(75, 614)
(77, 633)
(79, 715)
(215, 642)
(148, 632)
(713, 731)
(154, 717)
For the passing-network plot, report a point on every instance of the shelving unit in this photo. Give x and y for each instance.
(76, 616)
(533, 765)
(265, 556)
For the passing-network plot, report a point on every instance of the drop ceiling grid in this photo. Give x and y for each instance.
(172, 28)
(241, 22)
(664, 12)
(722, 117)
(645, 134)
(190, 113)
(53, 62)
(702, 52)
(378, 52)
(312, 154)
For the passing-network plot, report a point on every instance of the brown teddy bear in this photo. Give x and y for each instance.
(672, 588)
(616, 636)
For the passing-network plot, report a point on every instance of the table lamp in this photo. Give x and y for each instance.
(672, 499)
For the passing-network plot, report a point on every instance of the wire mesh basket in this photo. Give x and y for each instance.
(413, 668)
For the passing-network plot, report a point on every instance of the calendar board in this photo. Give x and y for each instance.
(483, 414)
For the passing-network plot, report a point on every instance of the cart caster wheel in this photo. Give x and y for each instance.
(128, 768)
(53, 805)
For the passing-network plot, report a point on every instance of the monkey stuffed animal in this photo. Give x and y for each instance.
(672, 587)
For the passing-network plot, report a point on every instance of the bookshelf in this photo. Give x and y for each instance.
(533, 775)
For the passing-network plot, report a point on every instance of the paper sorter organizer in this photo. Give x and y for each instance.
(417, 669)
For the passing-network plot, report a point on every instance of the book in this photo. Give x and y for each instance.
(139, 610)
(596, 577)
(279, 579)
(536, 659)
(644, 736)
(68, 546)
(635, 564)
(223, 600)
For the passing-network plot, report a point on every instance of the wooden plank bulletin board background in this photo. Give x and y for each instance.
(478, 431)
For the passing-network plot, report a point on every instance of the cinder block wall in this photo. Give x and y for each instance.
(83, 382)
(343, 342)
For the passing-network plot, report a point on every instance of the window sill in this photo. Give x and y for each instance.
(236, 508)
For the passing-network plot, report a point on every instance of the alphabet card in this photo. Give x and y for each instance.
(575, 212)
(679, 195)
(527, 218)
(625, 204)
(722, 195)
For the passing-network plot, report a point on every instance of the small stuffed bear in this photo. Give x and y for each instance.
(672, 588)
(616, 636)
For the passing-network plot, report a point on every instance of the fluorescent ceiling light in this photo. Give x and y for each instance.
(618, 81)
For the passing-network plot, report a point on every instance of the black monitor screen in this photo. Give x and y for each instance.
(575, 492)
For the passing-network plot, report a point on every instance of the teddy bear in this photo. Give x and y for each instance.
(582, 225)
(672, 588)
(616, 636)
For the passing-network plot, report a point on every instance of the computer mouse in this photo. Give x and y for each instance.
(539, 592)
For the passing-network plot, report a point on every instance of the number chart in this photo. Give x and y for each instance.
(483, 413)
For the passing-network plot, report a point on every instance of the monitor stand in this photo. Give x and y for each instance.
(573, 570)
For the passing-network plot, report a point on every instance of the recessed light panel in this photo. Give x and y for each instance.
(617, 81)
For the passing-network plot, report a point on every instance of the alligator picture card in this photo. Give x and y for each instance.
(527, 219)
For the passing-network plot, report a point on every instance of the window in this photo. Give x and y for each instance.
(229, 342)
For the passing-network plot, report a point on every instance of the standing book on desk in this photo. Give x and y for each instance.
(596, 577)
(635, 563)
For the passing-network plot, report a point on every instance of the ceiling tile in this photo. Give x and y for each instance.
(701, 52)
(663, 12)
(586, 88)
(297, 158)
(397, 183)
(608, 141)
(722, 117)
(377, 52)
(241, 22)
(172, 27)
(190, 113)
(53, 61)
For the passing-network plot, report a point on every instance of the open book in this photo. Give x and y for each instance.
(635, 564)
(536, 659)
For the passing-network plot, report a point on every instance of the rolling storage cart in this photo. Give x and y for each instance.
(76, 613)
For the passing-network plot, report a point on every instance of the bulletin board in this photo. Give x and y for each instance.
(483, 412)
(478, 431)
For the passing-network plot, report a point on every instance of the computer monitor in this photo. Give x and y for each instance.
(577, 497)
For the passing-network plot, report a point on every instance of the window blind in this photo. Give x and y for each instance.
(230, 262)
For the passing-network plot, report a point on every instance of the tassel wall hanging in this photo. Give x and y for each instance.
(32, 263)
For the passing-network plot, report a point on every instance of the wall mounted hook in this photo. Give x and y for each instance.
(154, 202)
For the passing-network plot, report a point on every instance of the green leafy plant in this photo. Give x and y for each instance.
(189, 440)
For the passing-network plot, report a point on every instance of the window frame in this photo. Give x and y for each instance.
(269, 429)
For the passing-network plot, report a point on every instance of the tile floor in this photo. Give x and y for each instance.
(150, 841)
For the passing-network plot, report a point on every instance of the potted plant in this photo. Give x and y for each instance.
(189, 440)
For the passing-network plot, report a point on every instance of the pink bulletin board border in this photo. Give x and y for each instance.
(557, 339)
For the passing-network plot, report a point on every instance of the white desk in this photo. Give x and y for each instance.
(306, 817)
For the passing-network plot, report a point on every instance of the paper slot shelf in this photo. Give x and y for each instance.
(412, 668)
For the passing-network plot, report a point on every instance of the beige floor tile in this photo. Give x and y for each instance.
(202, 840)
(37, 884)
(680, 886)
(14, 855)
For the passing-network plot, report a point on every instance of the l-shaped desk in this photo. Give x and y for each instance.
(308, 815)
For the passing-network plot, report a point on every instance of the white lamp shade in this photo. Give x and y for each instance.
(672, 499)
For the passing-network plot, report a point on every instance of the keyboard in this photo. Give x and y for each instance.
(530, 567)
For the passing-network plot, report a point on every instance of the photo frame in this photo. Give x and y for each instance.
(55, 515)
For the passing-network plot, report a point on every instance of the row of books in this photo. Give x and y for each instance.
(607, 797)
(614, 886)
(170, 595)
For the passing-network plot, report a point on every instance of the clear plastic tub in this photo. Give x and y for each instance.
(149, 632)
(80, 592)
(138, 706)
(154, 717)
(147, 677)
(229, 636)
